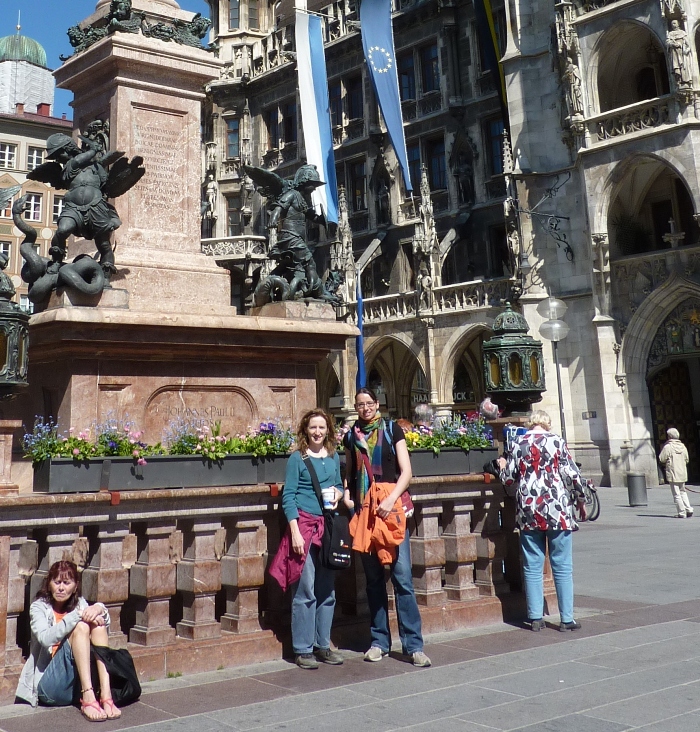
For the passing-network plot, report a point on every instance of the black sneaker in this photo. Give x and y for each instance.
(325, 655)
(573, 625)
(306, 661)
(537, 625)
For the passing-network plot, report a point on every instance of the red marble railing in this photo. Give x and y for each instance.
(183, 571)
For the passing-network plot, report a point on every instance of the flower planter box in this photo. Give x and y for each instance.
(480, 455)
(272, 468)
(64, 475)
(449, 461)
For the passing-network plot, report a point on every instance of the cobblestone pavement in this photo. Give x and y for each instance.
(635, 664)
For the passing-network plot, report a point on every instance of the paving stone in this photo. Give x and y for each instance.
(656, 707)
(575, 723)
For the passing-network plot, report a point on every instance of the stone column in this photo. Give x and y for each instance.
(199, 579)
(152, 581)
(460, 553)
(428, 556)
(24, 557)
(243, 574)
(105, 579)
(7, 427)
(491, 548)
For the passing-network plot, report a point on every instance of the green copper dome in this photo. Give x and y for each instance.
(21, 48)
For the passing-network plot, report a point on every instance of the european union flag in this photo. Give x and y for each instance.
(378, 44)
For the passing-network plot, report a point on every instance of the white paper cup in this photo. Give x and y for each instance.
(328, 495)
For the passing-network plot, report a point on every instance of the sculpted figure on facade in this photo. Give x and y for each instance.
(679, 53)
(574, 90)
(289, 205)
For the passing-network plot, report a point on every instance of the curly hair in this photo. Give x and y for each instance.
(540, 418)
(64, 568)
(302, 429)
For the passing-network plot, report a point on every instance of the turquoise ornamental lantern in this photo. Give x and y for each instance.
(513, 366)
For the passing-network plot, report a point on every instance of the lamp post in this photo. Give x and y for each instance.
(555, 329)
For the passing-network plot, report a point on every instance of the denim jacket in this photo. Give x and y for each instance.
(45, 634)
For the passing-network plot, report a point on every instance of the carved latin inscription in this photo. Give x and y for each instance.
(160, 138)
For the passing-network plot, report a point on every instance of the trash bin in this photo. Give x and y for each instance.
(637, 489)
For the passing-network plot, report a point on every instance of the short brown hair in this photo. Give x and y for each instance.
(302, 439)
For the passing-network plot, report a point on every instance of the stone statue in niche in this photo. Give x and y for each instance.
(289, 205)
(574, 89)
(211, 192)
(424, 285)
(383, 205)
(90, 176)
(678, 50)
(464, 172)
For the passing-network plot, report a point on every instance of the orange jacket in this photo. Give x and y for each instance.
(370, 533)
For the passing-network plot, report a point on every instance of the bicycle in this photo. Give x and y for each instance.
(592, 501)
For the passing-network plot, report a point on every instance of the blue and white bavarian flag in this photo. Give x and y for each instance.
(361, 376)
(315, 112)
(378, 44)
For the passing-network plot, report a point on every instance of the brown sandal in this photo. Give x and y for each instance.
(113, 712)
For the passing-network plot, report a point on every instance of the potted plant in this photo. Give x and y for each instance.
(113, 456)
(451, 447)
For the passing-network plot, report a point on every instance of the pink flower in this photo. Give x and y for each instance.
(136, 435)
(76, 451)
(126, 429)
(135, 453)
(70, 430)
(132, 442)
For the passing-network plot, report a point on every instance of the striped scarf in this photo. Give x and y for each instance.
(367, 441)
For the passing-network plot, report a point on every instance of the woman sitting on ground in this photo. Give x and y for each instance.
(63, 628)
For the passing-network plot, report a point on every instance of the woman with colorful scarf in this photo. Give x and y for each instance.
(373, 455)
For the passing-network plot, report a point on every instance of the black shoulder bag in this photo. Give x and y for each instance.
(335, 544)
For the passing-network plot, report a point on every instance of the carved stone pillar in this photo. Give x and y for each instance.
(460, 553)
(106, 580)
(491, 549)
(199, 579)
(428, 556)
(243, 574)
(152, 581)
(23, 561)
(7, 427)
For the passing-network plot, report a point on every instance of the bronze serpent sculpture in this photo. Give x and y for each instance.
(43, 275)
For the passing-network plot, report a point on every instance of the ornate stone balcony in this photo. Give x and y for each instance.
(644, 115)
(439, 301)
(241, 248)
(182, 571)
(634, 277)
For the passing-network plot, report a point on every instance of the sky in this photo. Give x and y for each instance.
(47, 21)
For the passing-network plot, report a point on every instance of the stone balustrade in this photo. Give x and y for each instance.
(182, 572)
(644, 115)
(249, 247)
(439, 301)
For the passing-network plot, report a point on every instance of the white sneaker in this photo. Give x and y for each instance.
(375, 653)
(420, 659)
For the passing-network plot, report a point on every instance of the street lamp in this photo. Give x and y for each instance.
(555, 329)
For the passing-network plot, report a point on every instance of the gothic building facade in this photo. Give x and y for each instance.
(597, 205)
(435, 267)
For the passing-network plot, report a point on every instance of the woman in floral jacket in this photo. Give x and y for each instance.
(542, 476)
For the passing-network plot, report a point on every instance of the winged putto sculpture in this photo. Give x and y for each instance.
(289, 205)
(90, 175)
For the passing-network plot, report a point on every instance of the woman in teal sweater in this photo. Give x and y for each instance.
(313, 601)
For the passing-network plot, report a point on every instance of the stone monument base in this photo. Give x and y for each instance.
(154, 370)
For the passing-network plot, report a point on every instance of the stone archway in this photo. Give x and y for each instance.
(629, 66)
(395, 365)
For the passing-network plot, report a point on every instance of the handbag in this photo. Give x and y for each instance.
(335, 543)
(123, 679)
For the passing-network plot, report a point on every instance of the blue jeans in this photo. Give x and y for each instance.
(313, 604)
(56, 686)
(533, 545)
(407, 612)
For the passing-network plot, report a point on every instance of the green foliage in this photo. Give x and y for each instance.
(463, 431)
